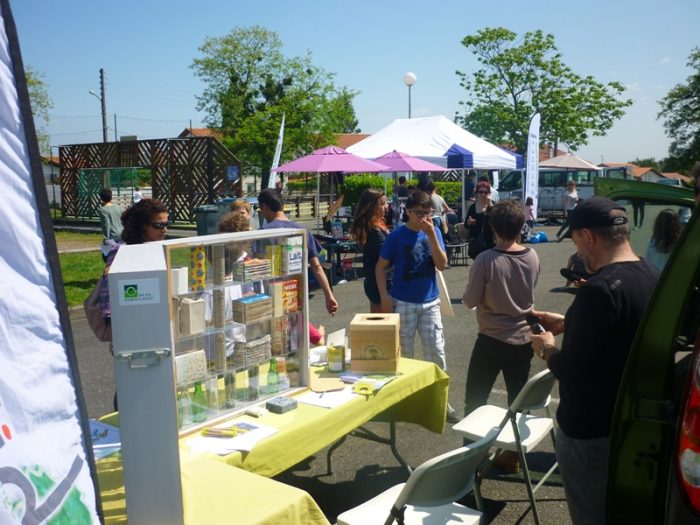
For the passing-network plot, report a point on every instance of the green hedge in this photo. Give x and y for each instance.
(450, 191)
(302, 185)
(354, 185)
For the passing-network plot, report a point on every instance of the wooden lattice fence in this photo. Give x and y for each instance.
(185, 173)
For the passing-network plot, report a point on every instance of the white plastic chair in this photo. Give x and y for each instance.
(429, 495)
(525, 430)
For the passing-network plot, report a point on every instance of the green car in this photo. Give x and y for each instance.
(654, 474)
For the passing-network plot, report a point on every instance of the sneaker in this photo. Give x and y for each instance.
(452, 416)
(508, 461)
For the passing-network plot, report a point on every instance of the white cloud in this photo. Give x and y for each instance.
(665, 60)
(633, 86)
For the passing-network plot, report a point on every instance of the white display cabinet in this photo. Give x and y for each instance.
(203, 327)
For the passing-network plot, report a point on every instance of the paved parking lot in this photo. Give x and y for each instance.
(362, 469)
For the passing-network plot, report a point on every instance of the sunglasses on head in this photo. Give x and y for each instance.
(160, 225)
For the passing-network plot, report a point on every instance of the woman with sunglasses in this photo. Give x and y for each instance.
(145, 221)
(477, 222)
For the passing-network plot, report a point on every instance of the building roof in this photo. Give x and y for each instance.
(345, 140)
(636, 171)
(54, 161)
(679, 176)
(200, 132)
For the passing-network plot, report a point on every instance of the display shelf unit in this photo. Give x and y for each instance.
(203, 328)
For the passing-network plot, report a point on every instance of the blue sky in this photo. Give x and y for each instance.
(147, 46)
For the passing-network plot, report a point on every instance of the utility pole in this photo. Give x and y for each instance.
(104, 105)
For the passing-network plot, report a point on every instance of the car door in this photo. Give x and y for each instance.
(645, 484)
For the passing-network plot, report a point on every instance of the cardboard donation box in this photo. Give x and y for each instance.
(374, 343)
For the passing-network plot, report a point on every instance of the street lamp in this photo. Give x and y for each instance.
(409, 79)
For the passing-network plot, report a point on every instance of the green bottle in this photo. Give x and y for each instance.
(253, 383)
(273, 377)
(199, 404)
(184, 408)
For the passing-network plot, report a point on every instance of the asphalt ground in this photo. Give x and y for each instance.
(362, 469)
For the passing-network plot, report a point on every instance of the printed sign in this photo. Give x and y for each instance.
(138, 292)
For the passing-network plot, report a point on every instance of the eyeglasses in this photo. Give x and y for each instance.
(421, 213)
(160, 225)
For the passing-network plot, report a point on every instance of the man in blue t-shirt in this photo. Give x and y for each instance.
(416, 250)
(272, 208)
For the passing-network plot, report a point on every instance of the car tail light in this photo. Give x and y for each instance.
(688, 459)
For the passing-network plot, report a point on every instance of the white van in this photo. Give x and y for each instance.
(552, 185)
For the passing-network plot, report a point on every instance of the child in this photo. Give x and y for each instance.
(416, 250)
(529, 212)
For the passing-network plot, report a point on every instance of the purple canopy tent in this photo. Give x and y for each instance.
(398, 161)
(330, 159)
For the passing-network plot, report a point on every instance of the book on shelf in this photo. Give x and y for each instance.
(252, 308)
(274, 254)
(290, 295)
(293, 257)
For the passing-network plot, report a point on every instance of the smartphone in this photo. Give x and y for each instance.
(534, 323)
(570, 275)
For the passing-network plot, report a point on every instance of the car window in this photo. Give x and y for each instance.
(644, 215)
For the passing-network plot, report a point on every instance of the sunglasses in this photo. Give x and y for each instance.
(483, 192)
(159, 225)
(421, 213)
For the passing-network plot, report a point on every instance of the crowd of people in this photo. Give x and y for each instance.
(400, 270)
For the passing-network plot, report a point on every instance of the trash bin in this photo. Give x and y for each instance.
(207, 219)
(224, 205)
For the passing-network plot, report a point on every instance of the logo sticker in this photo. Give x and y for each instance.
(139, 292)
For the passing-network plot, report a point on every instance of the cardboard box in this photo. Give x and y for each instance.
(192, 316)
(374, 343)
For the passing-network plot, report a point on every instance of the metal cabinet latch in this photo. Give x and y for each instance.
(143, 358)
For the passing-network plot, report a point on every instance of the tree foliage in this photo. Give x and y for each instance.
(250, 84)
(648, 162)
(41, 105)
(680, 109)
(520, 77)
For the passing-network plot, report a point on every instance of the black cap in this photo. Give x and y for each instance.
(595, 213)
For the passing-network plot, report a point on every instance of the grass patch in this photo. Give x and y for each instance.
(91, 240)
(81, 271)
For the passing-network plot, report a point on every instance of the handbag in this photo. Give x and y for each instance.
(101, 327)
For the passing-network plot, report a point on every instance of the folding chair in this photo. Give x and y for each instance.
(429, 495)
(456, 248)
(525, 430)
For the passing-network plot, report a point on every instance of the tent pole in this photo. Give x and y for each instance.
(318, 203)
(464, 198)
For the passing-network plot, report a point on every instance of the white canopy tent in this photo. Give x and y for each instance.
(429, 138)
(568, 161)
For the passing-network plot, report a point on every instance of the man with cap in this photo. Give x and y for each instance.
(598, 330)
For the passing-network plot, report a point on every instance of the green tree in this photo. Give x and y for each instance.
(250, 84)
(520, 77)
(41, 105)
(649, 162)
(680, 110)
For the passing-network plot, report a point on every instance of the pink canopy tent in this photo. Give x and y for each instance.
(398, 161)
(330, 159)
